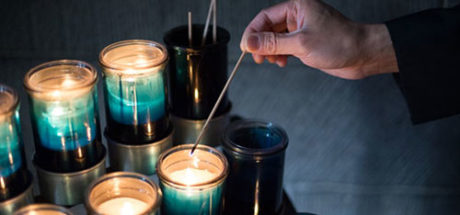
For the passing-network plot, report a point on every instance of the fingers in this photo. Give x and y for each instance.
(280, 60)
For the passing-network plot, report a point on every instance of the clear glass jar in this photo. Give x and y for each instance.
(123, 193)
(64, 112)
(135, 91)
(12, 158)
(192, 184)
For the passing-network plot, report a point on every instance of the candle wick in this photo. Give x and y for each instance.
(213, 111)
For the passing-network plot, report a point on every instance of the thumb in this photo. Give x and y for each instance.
(269, 43)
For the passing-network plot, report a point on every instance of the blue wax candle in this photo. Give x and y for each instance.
(134, 89)
(135, 101)
(64, 113)
(192, 184)
(10, 143)
(65, 124)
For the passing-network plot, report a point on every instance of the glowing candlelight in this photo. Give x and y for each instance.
(192, 184)
(123, 193)
(134, 87)
(123, 206)
(191, 176)
(63, 100)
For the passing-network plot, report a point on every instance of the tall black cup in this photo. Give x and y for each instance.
(255, 152)
(197, 73)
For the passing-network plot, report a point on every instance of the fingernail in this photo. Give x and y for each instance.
(253, 43)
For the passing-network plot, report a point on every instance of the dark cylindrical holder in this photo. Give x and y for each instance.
(123, 193)
(197, 75)
(15, 180)
(255, 151)
(65, 122)
(43, 209)
(138, 127)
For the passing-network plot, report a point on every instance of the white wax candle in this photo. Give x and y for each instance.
(191, 176)
(122, 206)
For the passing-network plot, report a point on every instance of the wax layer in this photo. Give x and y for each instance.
(66, 125)
(135, 101)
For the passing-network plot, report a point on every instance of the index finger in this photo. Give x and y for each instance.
(270, 19)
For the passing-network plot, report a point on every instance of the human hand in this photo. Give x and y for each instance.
(321, 37)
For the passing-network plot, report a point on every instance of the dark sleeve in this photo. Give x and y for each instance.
(427, 46)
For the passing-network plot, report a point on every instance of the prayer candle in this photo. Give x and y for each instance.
(123, 193)
(64, 112)
(12, 161)
(134, 89)
(192, 184)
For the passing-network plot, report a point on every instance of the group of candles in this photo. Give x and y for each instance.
(65, 121)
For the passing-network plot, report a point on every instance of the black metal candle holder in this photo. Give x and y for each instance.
(197, 75)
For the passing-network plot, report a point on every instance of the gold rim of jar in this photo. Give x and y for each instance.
(111, 67)
(15, 100)
(42, 207)
(89, 83)
(109, 176)
(215, 181)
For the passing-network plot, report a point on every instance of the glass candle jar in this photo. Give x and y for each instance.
(123, 193)
(255, 151)
(43, 209)
(13, 173)
(192, 184)
(135, 91)
(64, 112)
(198, 73)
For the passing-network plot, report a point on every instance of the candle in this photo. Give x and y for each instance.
(64, 111)
(255, 151)
(134, 89)
(192, 184)
(10, 152)
(12, 162)
(123, 206)
(43, 209)
(123, 193)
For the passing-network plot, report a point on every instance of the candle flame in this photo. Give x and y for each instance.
(196, 95)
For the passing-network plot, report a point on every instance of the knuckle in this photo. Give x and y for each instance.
(270, 41)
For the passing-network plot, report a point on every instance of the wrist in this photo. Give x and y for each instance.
(377, 50)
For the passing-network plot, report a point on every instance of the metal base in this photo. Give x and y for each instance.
(68, 188)
(137, 158)
(21, 200)
(187, 130)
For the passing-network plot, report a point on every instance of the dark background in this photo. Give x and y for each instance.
(353, 149)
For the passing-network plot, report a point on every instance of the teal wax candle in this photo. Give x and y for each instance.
(64, 113)
(192, 184)
(135, 101)
(14, 178)
(66, 124)
(135, 91)
(11, 158)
